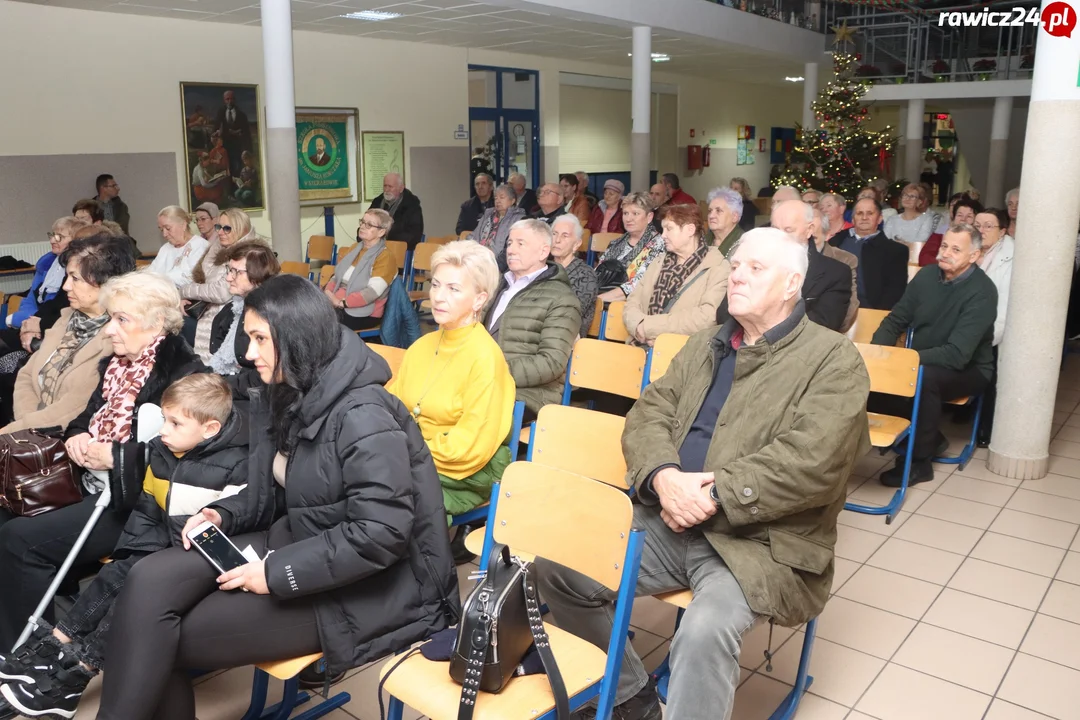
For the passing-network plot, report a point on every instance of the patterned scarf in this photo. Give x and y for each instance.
(672, 277)
(492, 230)
(123, 381)
(224, 361)
(80, 330)
(643, 250)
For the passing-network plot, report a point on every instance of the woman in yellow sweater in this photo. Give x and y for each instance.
(456, 381)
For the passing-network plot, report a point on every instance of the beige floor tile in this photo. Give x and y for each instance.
(843, 572)
(653, 659)
(1048, 506)
(755, 642)
(939, 534)
(227, 695)
(980, 618)
(840, 674)
(1072, 434)
(1062, 601)
(863, 628)
(1042, 686)
(944, 654)
(1066, 404)
(977, 469)
(1034, 528)
(1055, 485)
(873, 523)
(1065, 448)
(1064, 466)
(903, 694)
(758, 697)
(856, 545)
(1019, 554)
(1075, 543)
(363, 689)
(1070, 569)
(853, 715)
(1001, 710)
(656, 616)
(889, 591)
(645, 642)
(1055, 640)
(1072, 420)
(854, 483)
(964, 512)
(970, 488)
(1000, 583)
(876, 494)
(871, 464)
(917, 561)
(814, 707)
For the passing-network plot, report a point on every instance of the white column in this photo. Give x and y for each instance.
(641, 91)
(809, 94)
(999, 148)
(1030, 353)
(900, 160)
(914, 151)
(282, 179)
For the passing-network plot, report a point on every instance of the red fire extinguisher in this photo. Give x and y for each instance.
(706, 156)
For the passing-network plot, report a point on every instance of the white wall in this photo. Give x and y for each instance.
(595, 124)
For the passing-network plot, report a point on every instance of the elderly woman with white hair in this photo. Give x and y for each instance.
(494, 226)
(725, 211)
(566, 233)
(148, 355)
(456, 381)
(183, 249)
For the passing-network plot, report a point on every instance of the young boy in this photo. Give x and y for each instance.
(200, 456)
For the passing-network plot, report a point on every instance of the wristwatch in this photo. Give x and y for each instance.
(713, 495)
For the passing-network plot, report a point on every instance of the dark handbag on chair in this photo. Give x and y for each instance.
(610, 274)
(500, 621)
(36, 475)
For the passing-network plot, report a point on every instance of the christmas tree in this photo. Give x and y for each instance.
(841, 155)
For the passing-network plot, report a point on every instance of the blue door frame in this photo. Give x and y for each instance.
(504, 119)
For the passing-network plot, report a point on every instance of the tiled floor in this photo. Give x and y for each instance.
(967, 607)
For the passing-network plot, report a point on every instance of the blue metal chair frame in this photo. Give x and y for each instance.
(485, 512)
(969, 450)
(292, 697)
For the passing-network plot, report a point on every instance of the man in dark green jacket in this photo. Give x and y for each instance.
(741, 455)
(951, 308)
(534, 316)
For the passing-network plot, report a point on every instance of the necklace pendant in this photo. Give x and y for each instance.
(416, 411)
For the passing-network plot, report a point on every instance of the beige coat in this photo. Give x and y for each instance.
(852, 262)
(694, 310)
(76, 385)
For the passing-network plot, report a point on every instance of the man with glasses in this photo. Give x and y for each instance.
(108, 194)
(474, 207)
(882, 275)
(549, 201)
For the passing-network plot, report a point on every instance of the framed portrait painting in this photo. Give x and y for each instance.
(223, 144)
(327, 155)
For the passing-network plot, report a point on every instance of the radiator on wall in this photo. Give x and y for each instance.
(29, 252)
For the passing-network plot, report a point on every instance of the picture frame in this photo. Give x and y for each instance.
(332, 177)
(223, 141)
(381, 152)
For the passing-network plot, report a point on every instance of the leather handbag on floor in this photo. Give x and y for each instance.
(500, 621)
(36, 475)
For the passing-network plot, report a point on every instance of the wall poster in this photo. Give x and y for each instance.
(327, 155)
(381, 152)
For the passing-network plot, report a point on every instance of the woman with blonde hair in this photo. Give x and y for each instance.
(456, 382)
(362, 278)
(177, 259)
(750, 211)
(915, 224)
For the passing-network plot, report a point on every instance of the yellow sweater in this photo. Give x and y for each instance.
(465, 393)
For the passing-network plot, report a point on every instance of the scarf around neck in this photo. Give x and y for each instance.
(391, 206)
(123, 381)
(80, 330)
(224, 361)
(52, 281)
(361, 275)
(673, 277)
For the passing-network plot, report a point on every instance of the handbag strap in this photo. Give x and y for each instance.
(543, 647)
(670, 303)
(480, 639)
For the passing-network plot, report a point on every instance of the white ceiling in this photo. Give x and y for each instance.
(462, 23)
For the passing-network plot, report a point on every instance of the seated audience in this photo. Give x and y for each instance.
(495, 224)
(659, 195)
(206, 216)
(607, 215)
(200, 456)
(89, 211)
(208, 285)
(675, 194)
(534, 316)
(946, 219)
(680, 292)
(962, 211)
(749, 211)
(819, 228)
(56, 383)
(247, 266)
(915, 224)
(754, 462)
(951, 306)
(583, 185)
(996, 261)
(465, 417)
(812, 197)
(403, 207)
(872, 192)
(785, 193)
(566, 233)
(725, 211)
(882, 276)
(834, 207)
(49, 271)
(635, 250)
(363, 506)
(114, 209)
(182, 250)
(549, 206)
(525, 198)
(1012, 205)
(474, 207)
(148, 356)
(362, 278)
(574, 202)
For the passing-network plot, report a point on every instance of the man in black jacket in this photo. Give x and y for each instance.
(526, 197)
(404, 207)
(474, 207)
(108, 194)
(882, 276)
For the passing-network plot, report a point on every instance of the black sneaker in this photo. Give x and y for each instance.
(33, 658)
(313, 677)
(921, 471)
(6, 711)
(53, 696)
(643, 706)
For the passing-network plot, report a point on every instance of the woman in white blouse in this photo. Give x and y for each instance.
(915, 224)
(178, 257)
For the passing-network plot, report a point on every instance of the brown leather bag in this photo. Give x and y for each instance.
(36, 475)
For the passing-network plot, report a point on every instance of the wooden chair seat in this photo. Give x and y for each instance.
(285, 669)
(959, 401)
(885, 429)
(678, 598)
(431, 692)
(523, 438)
(416, 295)
(474, 543)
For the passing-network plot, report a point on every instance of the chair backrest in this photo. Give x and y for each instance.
(320, 247)
(614, 329)
(555, 513)
(392, 355)
(422, 256)
(464, 234)
(400, 248)
(326, 273)
(763, 205)
(607, 367)
(665, 347)
(441, 240)
(13, 303)
(866, 324)
(586, 238)
(600, 241)
(597, 318)
(582, 441)
(893, 370)
(291, 267)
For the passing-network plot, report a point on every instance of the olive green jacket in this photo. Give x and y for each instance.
(536, 332)
(783, 447)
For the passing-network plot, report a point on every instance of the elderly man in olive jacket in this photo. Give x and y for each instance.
(740, 454)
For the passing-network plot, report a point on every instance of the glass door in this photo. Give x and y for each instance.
(504, 123)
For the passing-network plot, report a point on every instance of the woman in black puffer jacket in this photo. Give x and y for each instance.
(342, 479)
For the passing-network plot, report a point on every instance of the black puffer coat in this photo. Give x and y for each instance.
(364, 506)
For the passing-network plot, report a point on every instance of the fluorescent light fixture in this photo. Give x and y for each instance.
(795, 79)
(371, 15)
(656, 57)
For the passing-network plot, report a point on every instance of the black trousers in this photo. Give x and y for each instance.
(171, 618)
(358, 323)
(32, 550)
(939, 386)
